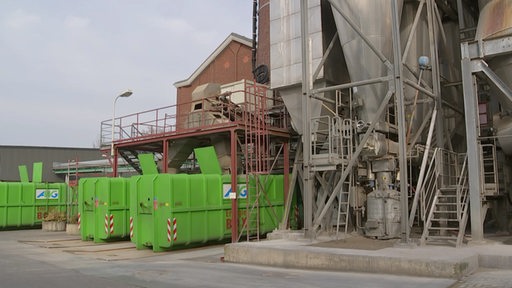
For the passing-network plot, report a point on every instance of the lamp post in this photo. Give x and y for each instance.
(127, 93)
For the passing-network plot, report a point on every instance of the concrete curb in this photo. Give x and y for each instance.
(397, 261)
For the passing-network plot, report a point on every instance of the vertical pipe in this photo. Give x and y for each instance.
(399, 95)
(474, 169)
(254, 35)
(165, 157)
(286, 178)
(436, 79)
(234, 204)
(460, 15)
(306, 117)
(114, 163)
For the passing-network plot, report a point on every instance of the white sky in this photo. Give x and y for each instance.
(62, 62)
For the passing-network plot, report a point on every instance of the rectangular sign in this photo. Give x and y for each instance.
(47, 194)
(227, 192)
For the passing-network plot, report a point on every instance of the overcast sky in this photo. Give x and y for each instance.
(62, 62)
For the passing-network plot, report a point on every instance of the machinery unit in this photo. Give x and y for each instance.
(390, 130)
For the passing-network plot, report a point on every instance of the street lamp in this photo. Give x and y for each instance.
(127, 93)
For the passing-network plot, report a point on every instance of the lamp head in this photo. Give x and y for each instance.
(127, 93)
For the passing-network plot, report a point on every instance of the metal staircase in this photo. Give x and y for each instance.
(130, 156)
(332, 145)
(256, 149)
(447, 219)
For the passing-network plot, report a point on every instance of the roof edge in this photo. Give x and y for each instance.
(232, 37)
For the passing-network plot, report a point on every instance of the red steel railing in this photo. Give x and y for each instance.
(224, 110)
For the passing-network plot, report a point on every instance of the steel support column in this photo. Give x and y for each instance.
(115, 161)
(234, 184)
(306, 116)
(286, 169)
(165, 156)
(474, 169)
(402, 141)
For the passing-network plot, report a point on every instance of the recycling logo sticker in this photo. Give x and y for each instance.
(51, 194)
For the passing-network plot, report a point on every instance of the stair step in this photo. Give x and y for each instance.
(446, 204)
(446, 196)
(448, 189)
(440, 219)
(449, 212)
(444, 228)
(441, 238)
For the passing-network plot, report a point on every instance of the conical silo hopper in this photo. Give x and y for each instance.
(286, 57)
(374, 19)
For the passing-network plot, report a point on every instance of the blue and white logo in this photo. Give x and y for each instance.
(47, 194)
(243, 191)
(54, 194)
(40, 194)
(227, 192)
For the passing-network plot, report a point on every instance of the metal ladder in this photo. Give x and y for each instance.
(490, 169)
(447, 219)
(347, 149)
(256, 156)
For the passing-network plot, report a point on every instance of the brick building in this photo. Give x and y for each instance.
(230, 62)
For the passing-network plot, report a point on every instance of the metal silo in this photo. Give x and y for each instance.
(374, 20)
(495, 21)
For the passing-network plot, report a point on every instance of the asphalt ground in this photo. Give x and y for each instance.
(32, 258)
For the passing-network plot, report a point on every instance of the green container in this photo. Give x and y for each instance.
(103, 208)
(178, 210)
(26, 204)
(270, 203)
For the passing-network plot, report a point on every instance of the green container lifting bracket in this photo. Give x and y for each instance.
(147, 164)
(37, 172)
(23, 174)
(207, 159)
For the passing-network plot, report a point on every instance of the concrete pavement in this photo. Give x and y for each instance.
(426, 261)
(34, 258)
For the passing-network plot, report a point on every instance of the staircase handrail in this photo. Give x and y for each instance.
(316, 142)
(429, 186)
(462, 189)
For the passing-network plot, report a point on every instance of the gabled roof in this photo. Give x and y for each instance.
(232, 37)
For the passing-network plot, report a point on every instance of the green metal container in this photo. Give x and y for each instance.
(271, 203)
(103, 208)
(263, 217)
(27, 204)
(177, 210)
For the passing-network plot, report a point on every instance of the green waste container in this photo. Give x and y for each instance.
(177, 210)
(270, 203)
(27, 204)
(103, 208)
